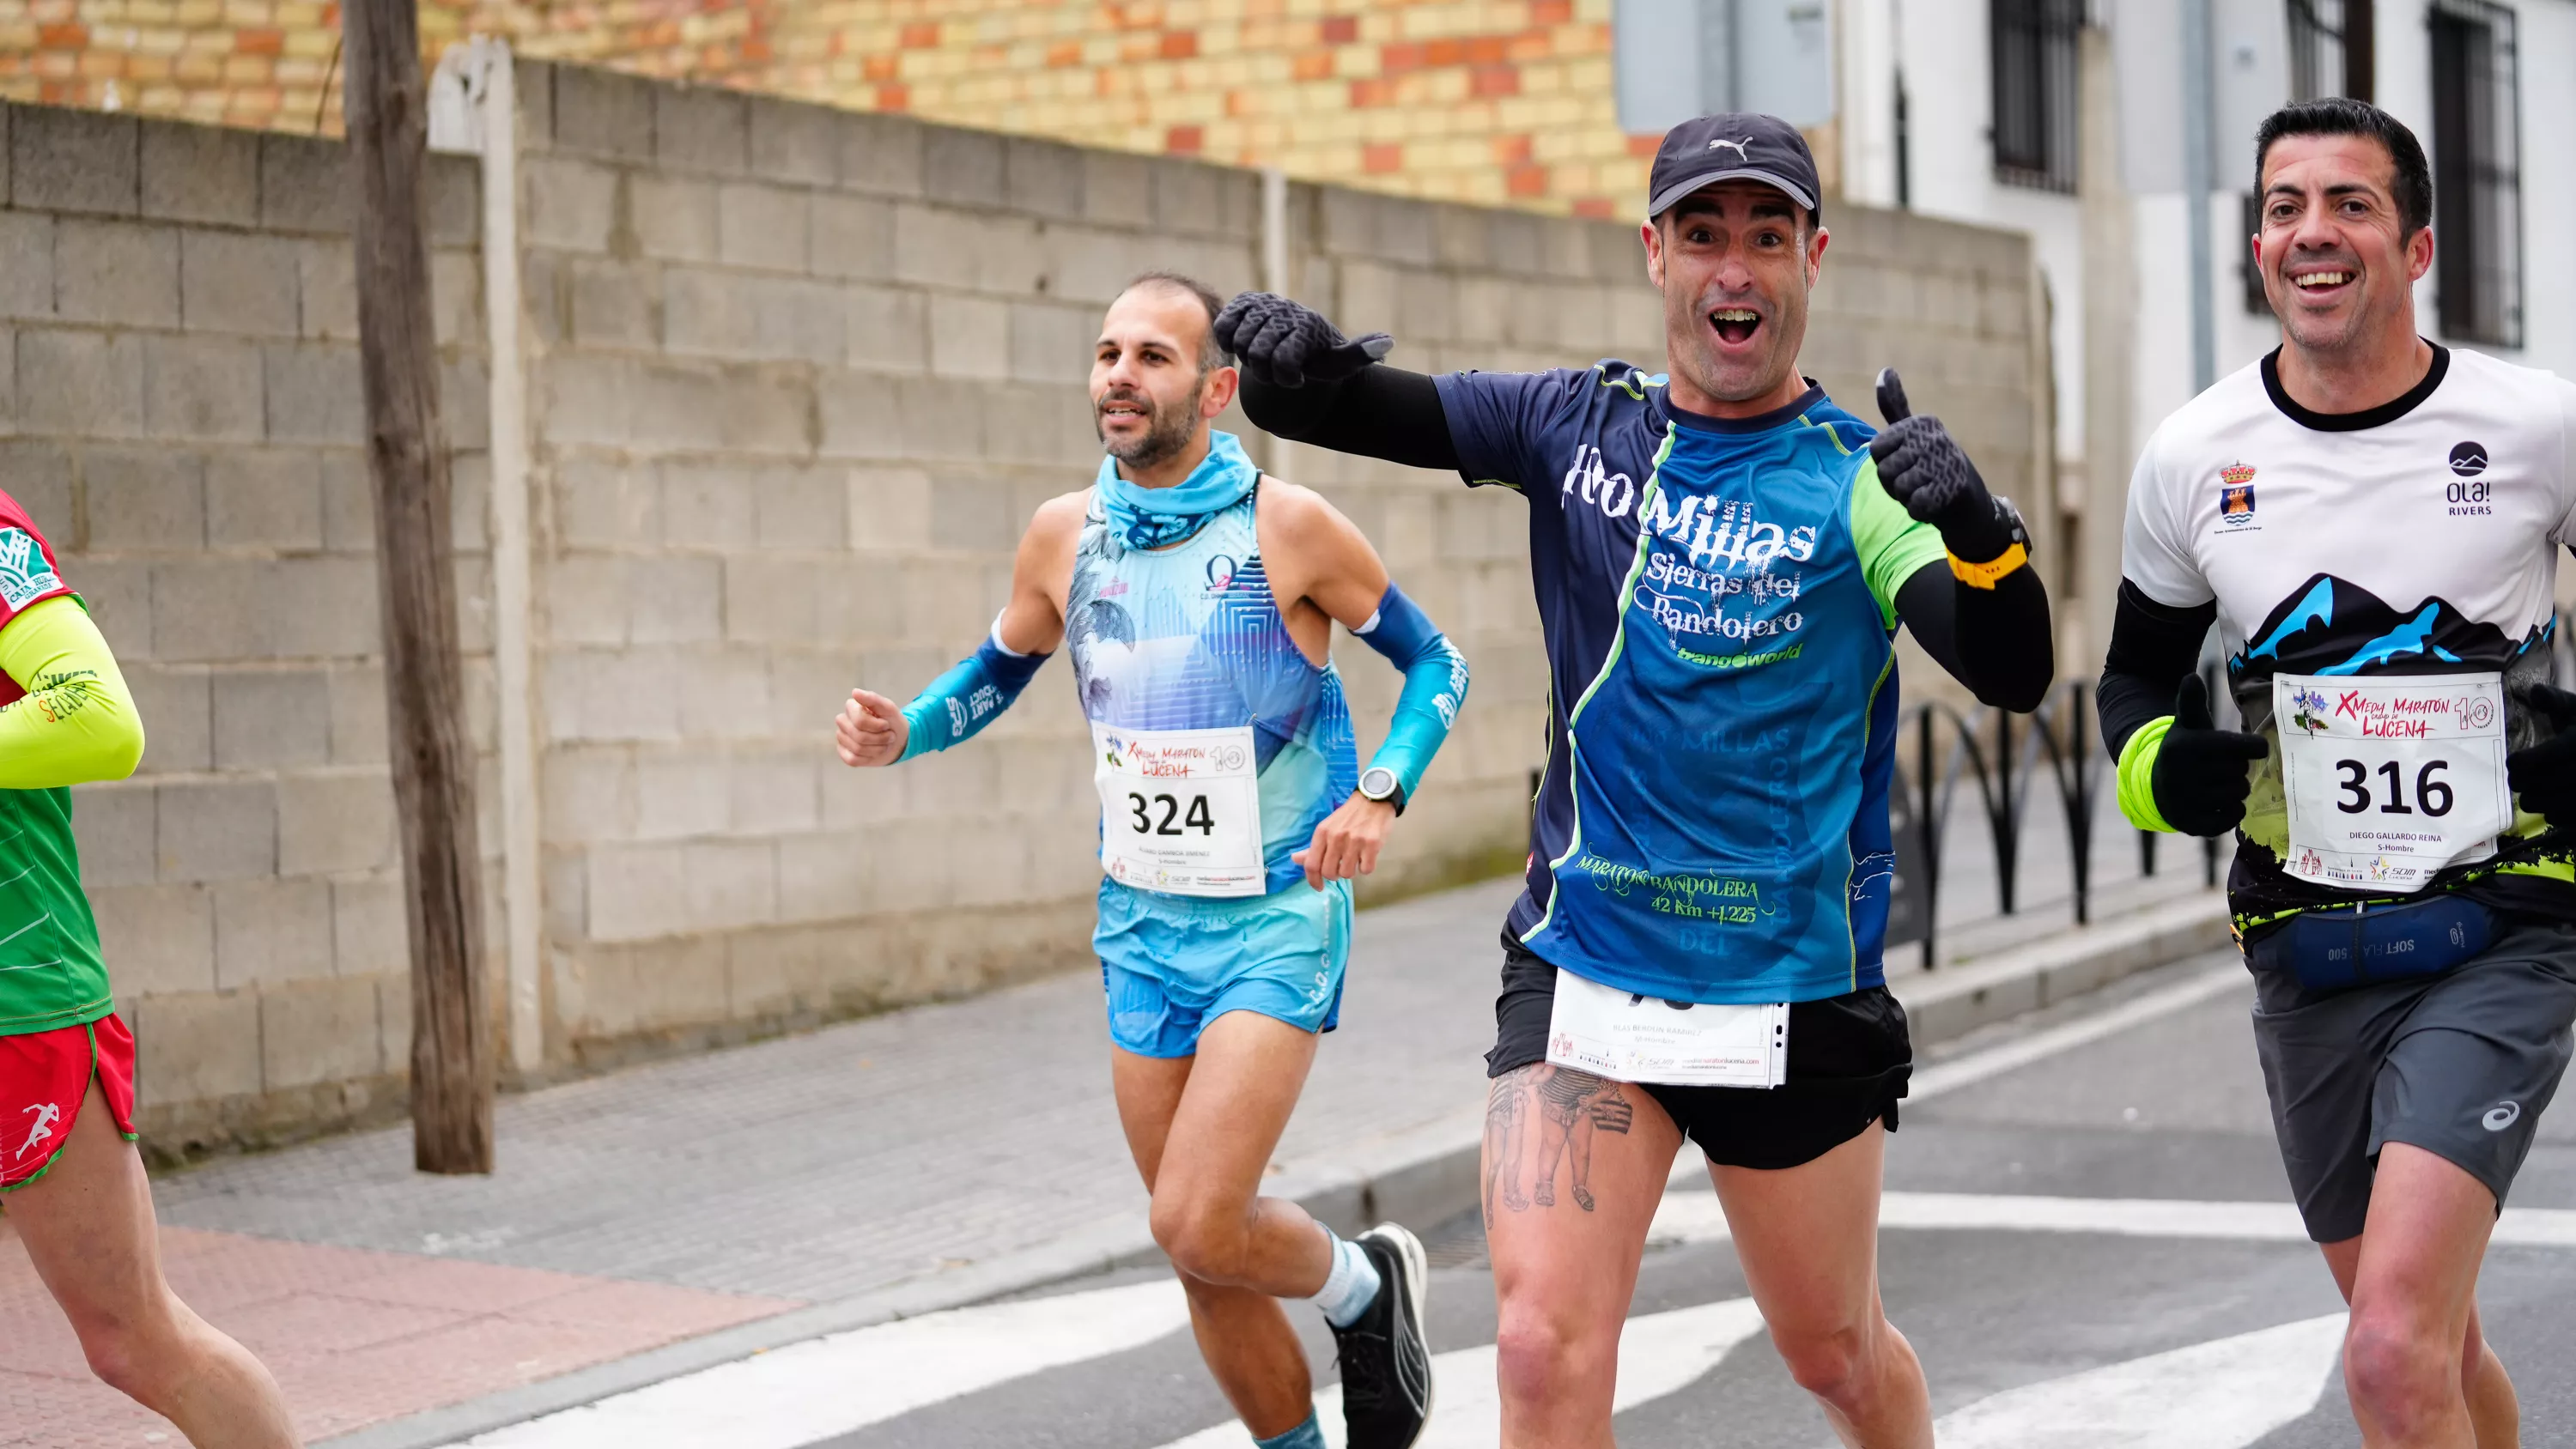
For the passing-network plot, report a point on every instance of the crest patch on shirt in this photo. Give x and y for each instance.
(2236, 497)
(25, 574)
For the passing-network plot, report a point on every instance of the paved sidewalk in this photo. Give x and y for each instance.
(763, 1194)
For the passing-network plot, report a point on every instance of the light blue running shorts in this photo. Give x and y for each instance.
(1172, 964)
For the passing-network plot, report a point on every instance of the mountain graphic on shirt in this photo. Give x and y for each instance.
(2334, 626)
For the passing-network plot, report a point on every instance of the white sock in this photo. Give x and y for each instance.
(1350, 1288)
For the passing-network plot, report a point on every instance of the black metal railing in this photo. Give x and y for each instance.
(2001, 754)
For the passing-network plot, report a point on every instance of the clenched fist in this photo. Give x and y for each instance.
(871, 730)
(1347, 843)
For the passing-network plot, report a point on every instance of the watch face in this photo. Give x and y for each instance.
(1378, 783)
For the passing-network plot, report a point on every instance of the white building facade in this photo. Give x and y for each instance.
(2065, 119)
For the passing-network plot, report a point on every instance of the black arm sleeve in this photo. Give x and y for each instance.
(1379, 412)
(2152, 647)
(1995, 641)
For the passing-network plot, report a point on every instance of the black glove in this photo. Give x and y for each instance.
(1925, 469)
(2543, 777)
(2200, 781)
(1282, 344)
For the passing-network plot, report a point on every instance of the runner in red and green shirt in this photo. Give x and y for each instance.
(71, 1182)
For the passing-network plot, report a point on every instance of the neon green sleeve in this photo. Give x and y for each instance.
(1892, 542)
(77, 721)
(2137, 775)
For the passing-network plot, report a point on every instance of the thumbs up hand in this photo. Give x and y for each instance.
(1922, 467)
(2201, 779)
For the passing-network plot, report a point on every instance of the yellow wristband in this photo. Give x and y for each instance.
(1986, 575)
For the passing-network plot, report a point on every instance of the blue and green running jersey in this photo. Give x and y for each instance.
(1718, 599)
(1189, 638)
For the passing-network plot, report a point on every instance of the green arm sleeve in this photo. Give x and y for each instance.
(1892, 543)
(77, 721)
(2137, 774)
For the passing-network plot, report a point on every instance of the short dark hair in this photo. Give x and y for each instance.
(2344, 116)
(1211, 355)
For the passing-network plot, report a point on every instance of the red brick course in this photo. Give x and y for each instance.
(354, 1337)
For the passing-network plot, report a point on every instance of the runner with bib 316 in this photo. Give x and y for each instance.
(1199, 598)
(2373, 522)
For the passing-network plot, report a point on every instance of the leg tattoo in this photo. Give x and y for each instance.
(1571, 1107)
(1503, 1146)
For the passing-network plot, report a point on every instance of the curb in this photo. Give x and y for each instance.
(1947, 1004)
(1421, 1174)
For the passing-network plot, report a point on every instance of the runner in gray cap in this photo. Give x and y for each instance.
(1721, 557)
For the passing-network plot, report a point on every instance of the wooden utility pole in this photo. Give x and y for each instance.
(387, 107)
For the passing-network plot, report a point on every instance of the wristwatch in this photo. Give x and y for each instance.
(2016, 551)
(1379, 783)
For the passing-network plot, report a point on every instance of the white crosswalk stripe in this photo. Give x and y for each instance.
(1695, 1217)
(2223, 1394)
(811, 1391)
(1659, 1354)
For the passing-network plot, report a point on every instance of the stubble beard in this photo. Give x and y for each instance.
(1697, 357)
(2356, 336)
(1167, 430)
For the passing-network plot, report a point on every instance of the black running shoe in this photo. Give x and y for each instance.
(1386, 1367)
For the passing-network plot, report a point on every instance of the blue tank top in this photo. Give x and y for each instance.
(1189, 638)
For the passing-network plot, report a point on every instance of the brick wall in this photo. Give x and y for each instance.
(796, 378)
(183, 421)
(1488, 101)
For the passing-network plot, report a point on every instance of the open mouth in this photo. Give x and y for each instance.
(1735, 325)
(1122, 409)
(2323, 282)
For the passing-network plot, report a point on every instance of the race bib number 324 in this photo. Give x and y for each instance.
(2390, 780)
(1180, 810)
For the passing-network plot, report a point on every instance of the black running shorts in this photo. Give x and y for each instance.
(1849, 1061)
(2460, 1065)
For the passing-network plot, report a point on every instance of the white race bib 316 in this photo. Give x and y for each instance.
(1631, 1038)
(1180, 810)
(2391, 779)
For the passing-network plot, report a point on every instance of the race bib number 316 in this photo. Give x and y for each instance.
(2390, 780)
(1180, 810)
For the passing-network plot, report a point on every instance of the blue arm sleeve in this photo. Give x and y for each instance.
(1435, 685)
(961, 702)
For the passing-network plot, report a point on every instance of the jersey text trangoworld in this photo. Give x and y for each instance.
(1718, 602)
(1189, 638)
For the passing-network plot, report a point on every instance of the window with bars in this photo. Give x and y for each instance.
(2331, 50)
(2035, 59)
(2477, 177)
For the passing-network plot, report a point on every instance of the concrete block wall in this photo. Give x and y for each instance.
(794, 381)
(799, 378)
(179, 411)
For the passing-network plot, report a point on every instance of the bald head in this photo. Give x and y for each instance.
(1176, 287)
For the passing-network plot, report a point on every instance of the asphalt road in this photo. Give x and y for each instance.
(2171, 1303)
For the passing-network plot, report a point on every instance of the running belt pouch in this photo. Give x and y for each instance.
(2335, 950)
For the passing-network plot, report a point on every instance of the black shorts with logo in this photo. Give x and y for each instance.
(1849, 1062)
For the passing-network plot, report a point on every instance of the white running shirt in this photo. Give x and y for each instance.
(2419, 537)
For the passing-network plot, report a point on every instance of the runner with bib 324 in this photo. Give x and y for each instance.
(2373, 522)
(1199, 598)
